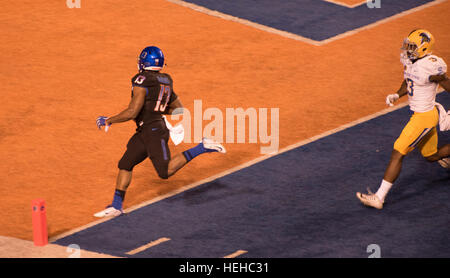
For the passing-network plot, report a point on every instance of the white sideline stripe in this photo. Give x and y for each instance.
(148, 245)
(339, 3)
(235, 254)
(295, 36)
(385, 20)
(244, 22)
(236, 168)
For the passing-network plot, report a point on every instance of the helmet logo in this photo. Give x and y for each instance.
(425, 37)
(144, 54)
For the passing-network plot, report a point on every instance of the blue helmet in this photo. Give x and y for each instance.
(151, 58)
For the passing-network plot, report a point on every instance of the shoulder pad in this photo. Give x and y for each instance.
(435, 64)
(164, 78)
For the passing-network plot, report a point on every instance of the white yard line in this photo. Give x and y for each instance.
(236, 254)
(298, 37)
(148, 245)
(383, 21)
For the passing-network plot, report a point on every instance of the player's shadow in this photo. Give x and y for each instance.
(213, 191)
(403, 187)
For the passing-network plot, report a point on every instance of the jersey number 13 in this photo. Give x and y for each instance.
(163, 98)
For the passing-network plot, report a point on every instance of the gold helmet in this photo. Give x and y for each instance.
(418, 44)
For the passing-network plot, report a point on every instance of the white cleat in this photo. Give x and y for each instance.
(108, 212)
(370, 200)
(445, 163)
(210, 144)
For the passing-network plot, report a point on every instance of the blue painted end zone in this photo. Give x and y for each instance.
(298, 204)
(314, 19)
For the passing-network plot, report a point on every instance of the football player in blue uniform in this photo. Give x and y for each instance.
(152, 95)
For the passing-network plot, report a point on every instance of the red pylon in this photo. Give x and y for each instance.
(40, 234)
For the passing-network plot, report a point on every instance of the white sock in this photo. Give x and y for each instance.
(383, 190)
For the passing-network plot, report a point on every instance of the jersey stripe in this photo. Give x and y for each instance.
(424, 132)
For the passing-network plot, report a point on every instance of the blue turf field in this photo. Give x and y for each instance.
(300, 203)
(314, 19)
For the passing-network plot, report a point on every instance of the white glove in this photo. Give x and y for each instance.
(176, 133)
(390, 99)
(444, 117)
